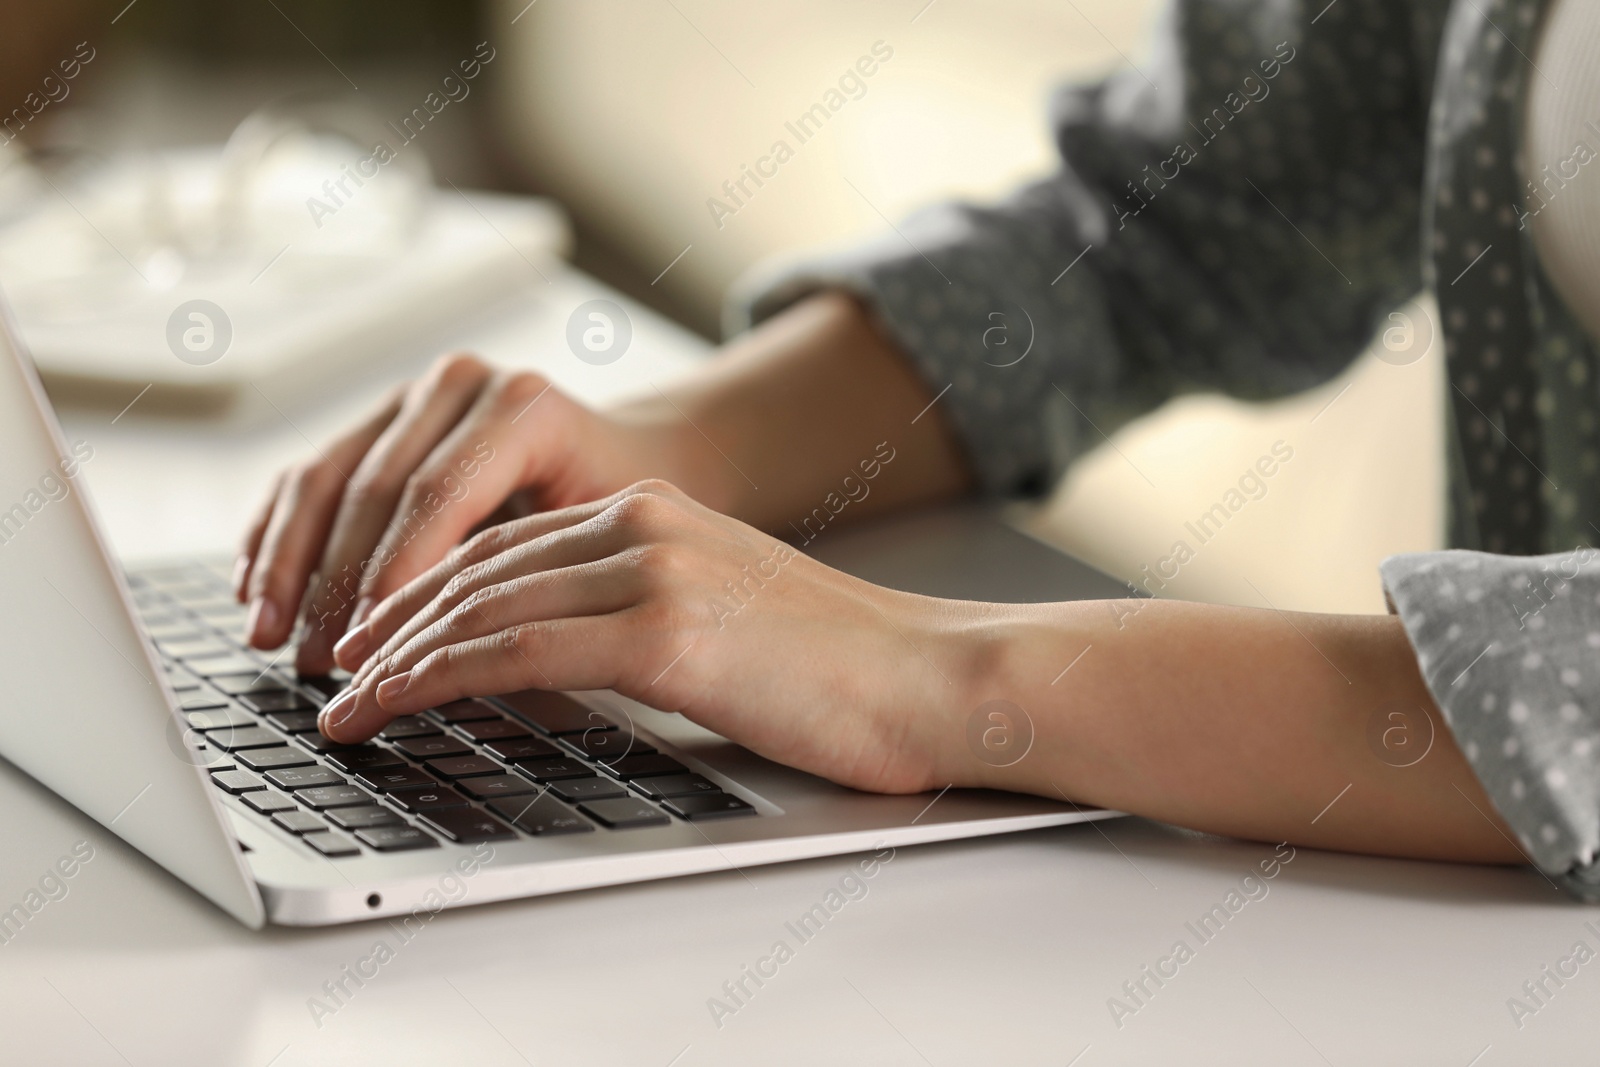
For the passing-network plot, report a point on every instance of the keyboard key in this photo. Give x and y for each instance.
(396, 838)
(183, 683)
(216, 718)
(554, 713)
(197, 700)
(462, 711)
(233, 663)
(397, 778)
(237, 782)
(464, 766)
(364, 818)
(241, 684)
(296, 778)
(328, 685)
(268, 802)
(465, 825)
(499, 785)
(542, 816)
(234, 738)
(174, 629)
(271, 700)
(608, 745)
(709, 806)
(553, 770)
(319, 744)
(291, 722)
(409, 726)
(677, 785)
(422, 800)
(432, 747)
(516, 749)
(364, 758)
(320, 798)
(492, 730)
(299, 822)
(332, 845)
(272, 759)
(630, 767)
(587, 789)
(624, 813)
(197, 648)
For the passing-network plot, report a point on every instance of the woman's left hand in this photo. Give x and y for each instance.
(660, 599)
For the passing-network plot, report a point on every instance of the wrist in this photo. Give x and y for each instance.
(971, 729)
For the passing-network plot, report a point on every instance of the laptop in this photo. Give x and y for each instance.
(132, 695)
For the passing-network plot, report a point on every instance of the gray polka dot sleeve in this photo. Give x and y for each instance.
(1236, 215)
(1510, 649)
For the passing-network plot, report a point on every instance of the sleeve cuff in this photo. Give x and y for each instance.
(1507, 646)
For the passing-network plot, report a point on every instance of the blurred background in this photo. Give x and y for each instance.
(630, 114)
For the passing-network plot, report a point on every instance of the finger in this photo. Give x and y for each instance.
(430, 408)
(296, 528)
(251, 545)
(597, 587)
(464, 481)
(575, 653)
(569, 547)
(386, 619)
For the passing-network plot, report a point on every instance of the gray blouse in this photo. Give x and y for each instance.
(1240, 215)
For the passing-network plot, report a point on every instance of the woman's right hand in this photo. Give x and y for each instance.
(463, 445)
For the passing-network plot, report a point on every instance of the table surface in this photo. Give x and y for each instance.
(1013, 950)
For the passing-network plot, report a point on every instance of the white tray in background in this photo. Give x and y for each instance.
(296, 319)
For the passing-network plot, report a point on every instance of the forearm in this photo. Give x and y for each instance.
(1235, 721)
(780, 418)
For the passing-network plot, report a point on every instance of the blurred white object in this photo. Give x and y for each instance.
(313, 237)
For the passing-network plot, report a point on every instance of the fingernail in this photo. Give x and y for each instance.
(391, 688)
(339, 709)
(263, 618)
(240, 567)
(352, 647)
(363, 608)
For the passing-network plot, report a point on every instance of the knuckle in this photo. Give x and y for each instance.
(521, 389)
(425, 485)
(476, 604)
(522, 639)
(484, 546)
(661, 564)
(313, 478)
(641, 512)
(656, 487)
(459, 587)
(459, 370)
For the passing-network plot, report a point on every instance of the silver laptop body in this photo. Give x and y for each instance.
(92, 710)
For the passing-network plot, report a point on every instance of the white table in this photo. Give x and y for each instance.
(1000, 951)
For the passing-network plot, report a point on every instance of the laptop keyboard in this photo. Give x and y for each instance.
(531, 764)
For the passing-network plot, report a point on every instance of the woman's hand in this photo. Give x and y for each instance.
(460, 446)
(656, 597)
